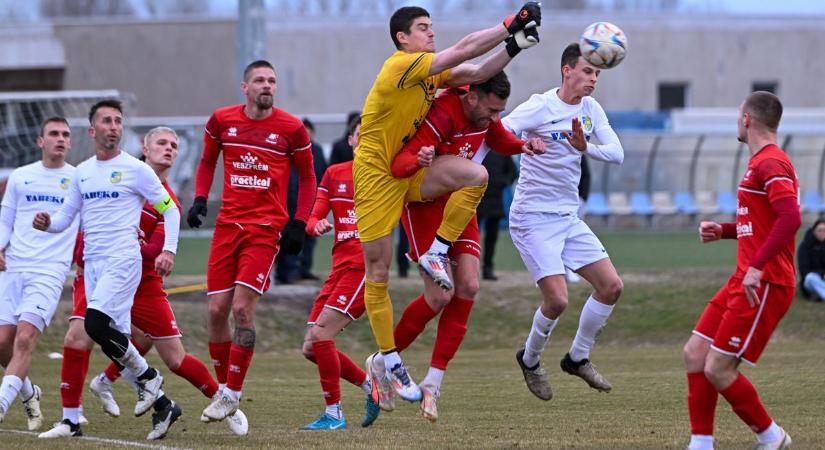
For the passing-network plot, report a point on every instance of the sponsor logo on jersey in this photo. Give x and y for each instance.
(115, 177)
(735, 341)
(747, 175)
(587, 124)
(64, 183)
(351, 218)
(342, 187)
(744, 229)
(742, 211)
(250, 162)
(232, 131)
(272, 138)
(560, 136)
(465, 151)
(44, 198)
(100, 194)
(344, 235)
(250, 181)
(261, 277)
(342, 299)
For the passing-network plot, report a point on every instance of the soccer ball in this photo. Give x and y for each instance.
(603, 44)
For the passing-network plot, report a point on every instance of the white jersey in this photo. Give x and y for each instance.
(549, 182)
(109, 196)
(31, 189)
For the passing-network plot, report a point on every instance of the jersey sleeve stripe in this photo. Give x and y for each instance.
(306, 147)
(322, 188)
(206, 130)
(409, 69)
(752, 191)
(778, 178)
(435, 130)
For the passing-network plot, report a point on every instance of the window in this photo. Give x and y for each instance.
(770, 86)
(672, 96)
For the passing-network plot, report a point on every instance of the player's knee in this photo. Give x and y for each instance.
(96, 324)
(307, 350)
(439, 301)
(243, 315)
(693, 356)
(480, 176)
(218, 310)
(24, 342)
(612, 290)
(467, 288)
(76, 337)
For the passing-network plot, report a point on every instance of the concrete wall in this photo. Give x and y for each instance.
(188, 67)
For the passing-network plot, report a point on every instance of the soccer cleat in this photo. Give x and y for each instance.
(101, 387)
(222, 406)
(435, 266)
(238, 423)
(403, 385)
(162, 420)
(372, 405)
(429, 402)
(585, 370)
(781, 444)
(536, 378)
(34, 417)
(378, 377)
(326, 422)
(62, 429)
(2, 414)
(83, 420)
(148, 391)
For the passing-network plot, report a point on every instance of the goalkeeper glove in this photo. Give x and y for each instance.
(521, 40)
(528, 16)
(198, 209)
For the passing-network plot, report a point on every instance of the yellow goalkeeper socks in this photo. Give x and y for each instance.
(379, 310)
(460, 209)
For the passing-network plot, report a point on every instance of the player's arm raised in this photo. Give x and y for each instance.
(502, 141)
(480, 42)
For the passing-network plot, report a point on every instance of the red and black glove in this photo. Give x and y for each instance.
(528, 16)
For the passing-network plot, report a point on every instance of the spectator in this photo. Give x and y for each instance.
(341, 150)
(290, 267)
(501, 173)
(811, 259)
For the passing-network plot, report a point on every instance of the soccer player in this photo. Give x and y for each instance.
(544, 224)
(259, 144)
(341, 299)
(33, 264)
(108, 192)
(394, 108)
(739, 320)
(152, 318)
(459, 122)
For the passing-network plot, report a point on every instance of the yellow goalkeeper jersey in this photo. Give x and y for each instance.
(396, 105)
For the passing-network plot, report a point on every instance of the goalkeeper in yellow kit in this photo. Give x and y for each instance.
(394, 109)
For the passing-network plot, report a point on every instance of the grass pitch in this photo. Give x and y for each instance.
(485, 403)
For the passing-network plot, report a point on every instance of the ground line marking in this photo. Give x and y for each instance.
(102, 440)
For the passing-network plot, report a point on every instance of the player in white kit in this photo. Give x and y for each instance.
(109, 191)
(33, 264)
(544, 223)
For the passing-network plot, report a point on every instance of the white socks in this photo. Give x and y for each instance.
(771, 434)
(391, 360)
(366, 386)
(700, 442)
(9, 389)
(537, 339)
(334, 411)
(234, 395)
(27, 389)
(72, 414)
(594, 316)
(438, 247)
(132, 360)
(433, 378)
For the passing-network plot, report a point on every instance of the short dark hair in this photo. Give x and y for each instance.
(498, 84)
(308, 124)
(765, 108)
(108, 103)
(256, 65)
(402, 20)
(53, 119)
(353, 124)
(570, 56)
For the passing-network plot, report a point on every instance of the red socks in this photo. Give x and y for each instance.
(219, 352)
(452, 326)
(329, 370)
(195, 372)
(349, 370)
(702, 398)
(73, 371)
(745, 402)
(412, 322)
(239, 360)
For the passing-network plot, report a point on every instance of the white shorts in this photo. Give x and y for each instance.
(24, 293)
(549, 242)
(111, 284)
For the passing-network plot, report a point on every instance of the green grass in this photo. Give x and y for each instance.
(484, 401)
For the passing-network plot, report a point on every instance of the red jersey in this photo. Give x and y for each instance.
(446, 127)
(770, 177)
(336, 192)
(257, 159)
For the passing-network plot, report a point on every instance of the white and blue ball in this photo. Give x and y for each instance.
(603, 44)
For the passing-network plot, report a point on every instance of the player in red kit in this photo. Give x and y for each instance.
(738, 322)
(341, 299)
(260, 143)
(458, 123)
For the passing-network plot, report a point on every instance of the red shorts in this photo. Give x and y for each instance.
(241, 254)
(151, 312)
(421, 222)
(737, 329)
(343, 292)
